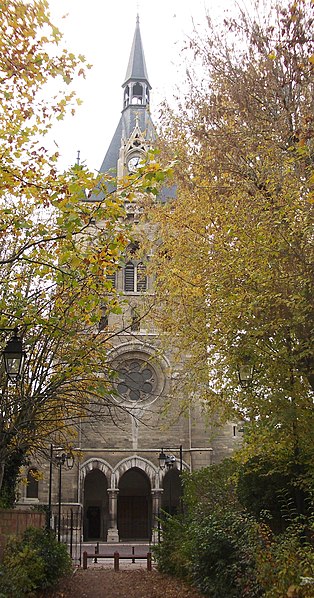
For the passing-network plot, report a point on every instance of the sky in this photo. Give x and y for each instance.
(103, 31)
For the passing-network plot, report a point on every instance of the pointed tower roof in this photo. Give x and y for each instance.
(135, 117)
(135, 107)
(137, 67)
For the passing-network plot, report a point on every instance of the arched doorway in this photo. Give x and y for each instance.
(171, 501)
(96, 513)
(134, 506)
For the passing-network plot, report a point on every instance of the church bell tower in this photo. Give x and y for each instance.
(124, 454)
(130, 465)
(124, 488)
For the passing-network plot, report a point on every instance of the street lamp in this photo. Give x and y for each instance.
(13, 356)
(61, 459)
(169, 461)
(245, 373)
(162, 459)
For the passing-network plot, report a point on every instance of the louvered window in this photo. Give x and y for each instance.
(141, 279)
(129, 277)
(112, 279)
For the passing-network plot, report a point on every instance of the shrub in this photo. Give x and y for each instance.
(216, 553)
(225, 551)
(223, 547)
(287, 563)
(37, 561)
(273, 486)
(22, 571)
(172, 555)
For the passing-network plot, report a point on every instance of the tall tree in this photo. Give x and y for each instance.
(56, 245)
(235, 268)
(53, 258)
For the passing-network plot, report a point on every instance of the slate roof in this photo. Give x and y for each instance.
(130, 116)
(137, 67)
(124, 130)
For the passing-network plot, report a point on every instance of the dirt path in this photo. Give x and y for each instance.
(106, 583)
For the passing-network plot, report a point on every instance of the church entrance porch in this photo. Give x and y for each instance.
(134, 506)
(96, 512)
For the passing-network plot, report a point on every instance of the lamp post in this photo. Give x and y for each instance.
(48, 523)
(61, 459)
(13, 355)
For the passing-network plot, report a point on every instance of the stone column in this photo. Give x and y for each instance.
(156, 504)
(113, 534)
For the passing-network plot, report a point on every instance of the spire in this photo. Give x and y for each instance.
(135, 119)
(137, 67)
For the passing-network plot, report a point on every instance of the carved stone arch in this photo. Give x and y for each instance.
(100, 464)
(139, 463)
(137, 345)
(95, 474)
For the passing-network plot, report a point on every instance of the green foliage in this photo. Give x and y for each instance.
(287, 561)
(8, 487)
(173, 554)
(273, 488)
(216, 552)
(37, 561)
(55, 555)
(215, 544)
(224, 547)
(225, 551)
(211, 487)
(22, 570)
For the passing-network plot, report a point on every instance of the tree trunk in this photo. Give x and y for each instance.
(1, 473)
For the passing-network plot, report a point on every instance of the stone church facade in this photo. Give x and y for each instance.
(117, 482)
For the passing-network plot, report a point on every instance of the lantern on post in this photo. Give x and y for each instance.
(14, 357)
(245, 373)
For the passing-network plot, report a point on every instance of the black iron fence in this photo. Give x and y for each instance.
(70, 530)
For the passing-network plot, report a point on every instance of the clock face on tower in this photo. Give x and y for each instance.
(133, 162)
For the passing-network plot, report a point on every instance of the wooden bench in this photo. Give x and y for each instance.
(116, 558)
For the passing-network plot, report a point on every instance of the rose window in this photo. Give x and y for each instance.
(137, 380)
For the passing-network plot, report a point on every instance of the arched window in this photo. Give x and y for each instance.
(32, 483)
(135, 279)
(126, 96)
(129, 277)
(137, 94)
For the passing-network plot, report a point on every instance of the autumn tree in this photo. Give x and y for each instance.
(61, 235)
(235, 267)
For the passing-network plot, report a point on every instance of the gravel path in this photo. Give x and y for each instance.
(106, 583)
